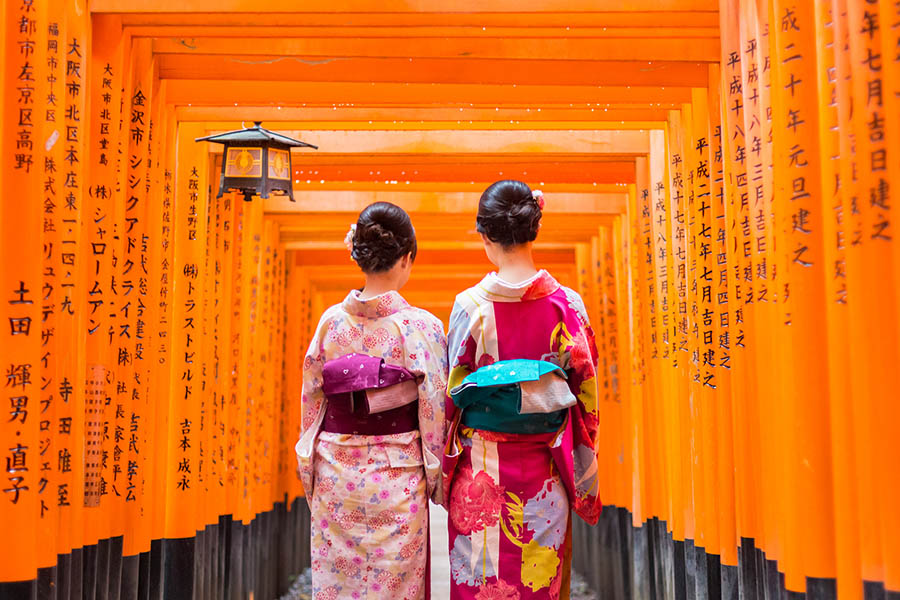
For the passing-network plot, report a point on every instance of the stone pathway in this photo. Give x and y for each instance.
(440, 567)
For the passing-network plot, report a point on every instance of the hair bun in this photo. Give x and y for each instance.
(384, 234)
(508, 213)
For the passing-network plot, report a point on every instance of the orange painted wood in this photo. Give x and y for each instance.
(21, 232)
(183, 485)
(62, 302)
(889, 15)
(185, 37)
(643, 281)
(328, 51)
(161, 220)
(833, 73)
(872, 296)
(132, 394)
(809, 532)
(411, 115)
(234, 482)
(680, 193)
(398, 6)
(107, 66)
(612, 20)
(728, 519)
(340, 172)
(548, 143)
(732, 295)
(226, 92)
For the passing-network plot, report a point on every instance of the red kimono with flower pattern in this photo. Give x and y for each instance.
(510, 535)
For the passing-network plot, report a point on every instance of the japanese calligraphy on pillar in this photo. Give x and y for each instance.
(21, 237)
(798, 201)
(702, 249)
(136, 307)
(58, 286)
(680, 195)
(609, 310)
(186, 383)
(720, 241)
(659, 240)
(100, 239)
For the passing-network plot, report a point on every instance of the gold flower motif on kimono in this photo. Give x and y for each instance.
(539, 565)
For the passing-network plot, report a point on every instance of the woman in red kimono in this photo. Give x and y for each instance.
(523, 415)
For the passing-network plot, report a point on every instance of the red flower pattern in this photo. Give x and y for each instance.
(580, 358)
(485, 360)
(500, 590)
(475, 502)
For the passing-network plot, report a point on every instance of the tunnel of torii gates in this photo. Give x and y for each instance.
(718, 182)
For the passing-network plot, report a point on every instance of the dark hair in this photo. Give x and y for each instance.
(508, 214)
(384, 234)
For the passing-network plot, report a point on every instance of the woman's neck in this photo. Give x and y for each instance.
(516, 264)
(377, 284)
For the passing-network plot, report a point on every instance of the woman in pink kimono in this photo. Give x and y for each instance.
(372, 431)
(523, 416)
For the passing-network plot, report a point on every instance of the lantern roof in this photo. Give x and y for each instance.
(255, 134)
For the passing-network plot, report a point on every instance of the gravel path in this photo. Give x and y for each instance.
(300, 590)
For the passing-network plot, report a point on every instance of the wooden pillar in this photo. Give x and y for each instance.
(809, 534)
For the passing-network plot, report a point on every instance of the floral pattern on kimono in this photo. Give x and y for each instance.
(368, 495)
(510, 531)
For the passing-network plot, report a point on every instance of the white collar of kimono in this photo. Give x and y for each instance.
(381, 305)
(497, 290)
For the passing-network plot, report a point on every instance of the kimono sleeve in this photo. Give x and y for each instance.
(431, 366)
(461, 350)
(312, 404)
(578, 354)
(461, 356)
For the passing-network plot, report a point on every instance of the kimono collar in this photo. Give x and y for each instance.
(379, 306)
(496, 290)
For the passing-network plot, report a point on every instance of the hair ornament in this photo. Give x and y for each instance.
(348, 239)
(538, 196)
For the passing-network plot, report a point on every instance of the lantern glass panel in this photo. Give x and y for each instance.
(279, 164)
(243, 162)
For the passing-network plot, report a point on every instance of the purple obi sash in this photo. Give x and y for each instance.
(368, 397)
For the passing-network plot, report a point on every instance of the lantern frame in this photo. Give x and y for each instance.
(268, 143)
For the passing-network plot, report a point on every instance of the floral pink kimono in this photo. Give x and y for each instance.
(509, 494)
(372, 432)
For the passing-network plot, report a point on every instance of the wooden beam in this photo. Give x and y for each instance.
(620, 20)
(622, 143)
(399, 6)
(317, 248)
(577, 173)
(226, 92)
(569, 49)
(311, 204)
(185, 36)
(648, 70)
(434, 175)
(398, 117)
(330, 227)
(431, 253)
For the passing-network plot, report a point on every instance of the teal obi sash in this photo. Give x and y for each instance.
(515, 396)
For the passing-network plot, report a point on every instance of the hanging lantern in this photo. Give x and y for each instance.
(256, 161)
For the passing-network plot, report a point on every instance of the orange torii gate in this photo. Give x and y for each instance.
(718, 177)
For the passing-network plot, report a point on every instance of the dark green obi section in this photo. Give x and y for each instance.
(491, 398)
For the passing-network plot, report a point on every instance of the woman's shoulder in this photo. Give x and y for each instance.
(468, 296)
(574, 301)
(334, 312)
(414, 314)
